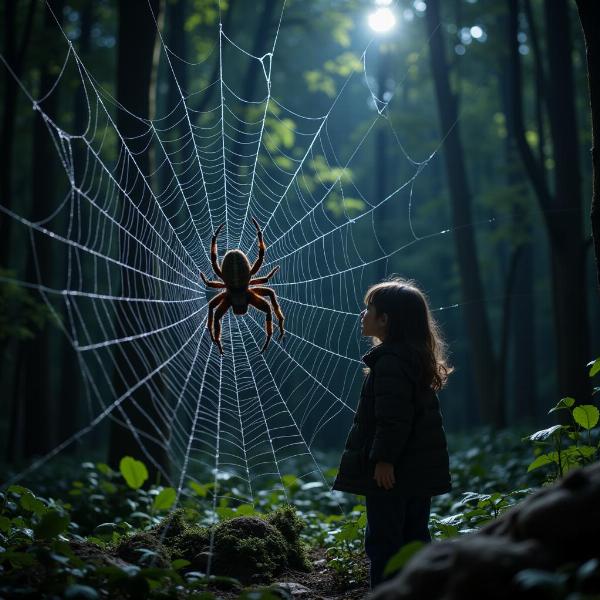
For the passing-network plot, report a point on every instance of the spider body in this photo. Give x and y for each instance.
(236, 274)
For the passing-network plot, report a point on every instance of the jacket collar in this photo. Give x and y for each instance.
(376, 351)
(397, 348)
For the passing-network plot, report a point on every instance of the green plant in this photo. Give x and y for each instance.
(567, 447)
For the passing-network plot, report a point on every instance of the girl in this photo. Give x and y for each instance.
(396, 453)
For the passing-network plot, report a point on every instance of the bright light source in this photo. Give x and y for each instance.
(383, 2)
(476, 32)
(382, 20)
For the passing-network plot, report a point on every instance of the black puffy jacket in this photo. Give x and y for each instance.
(399, 422)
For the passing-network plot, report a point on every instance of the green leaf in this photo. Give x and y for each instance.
(134, 472)
(543, 460)
(402, 557)
(31, 503)
(562, 404)
(180, 563)
(165, 499)
(594, 367)
(586, 415)
(4, 524)
(51, 524)
(200, 489)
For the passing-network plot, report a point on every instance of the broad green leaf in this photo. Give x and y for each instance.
(562, 404)
(134, 472)
(51, 524)
(586, 415)
(4, 524)
(179, 564)
(165, 499)
(594, 367)
(402, 557)
(290, 481)
(245, 509)
(542, 460)
(200, 489)
(31, 503)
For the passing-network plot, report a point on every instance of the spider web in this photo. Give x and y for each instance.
(243, 415)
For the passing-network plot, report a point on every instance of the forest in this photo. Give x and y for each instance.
(168, 431)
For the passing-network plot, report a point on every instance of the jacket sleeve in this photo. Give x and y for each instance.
(394, 409)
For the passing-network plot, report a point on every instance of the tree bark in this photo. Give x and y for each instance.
(40, 414)
(589, 15)
(136, 65)
(472, 293)
(15, 56)
(561, 208)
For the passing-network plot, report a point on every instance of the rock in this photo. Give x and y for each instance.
(557, 525)
(296, 590)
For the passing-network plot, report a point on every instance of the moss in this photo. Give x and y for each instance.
(171, 527)
(249, 548)
(130, 549)
(290, 525)
(193, 544)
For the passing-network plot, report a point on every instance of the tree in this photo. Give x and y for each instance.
(589, 15)
(14, 54)
(481, 347)
(561, 206)
(138, 422)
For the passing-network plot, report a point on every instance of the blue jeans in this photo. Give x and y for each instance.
(392, 522)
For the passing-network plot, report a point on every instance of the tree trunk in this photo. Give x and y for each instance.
(472, 293)
(522, 307)
(561, 208)
(40, 414)
(136, 58)
(70, 375)
(15, 57)
(589, 15)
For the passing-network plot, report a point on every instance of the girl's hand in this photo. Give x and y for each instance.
(384, 475)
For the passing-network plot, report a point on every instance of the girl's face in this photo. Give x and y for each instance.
(373, 325)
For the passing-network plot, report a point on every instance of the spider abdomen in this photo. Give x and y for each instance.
(235, 269)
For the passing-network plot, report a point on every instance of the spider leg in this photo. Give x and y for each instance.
(261, 249)
(211, 284)
(266, 278)
(214, 303)
(266, 291)
(213, 252)
(263, 305)
(221, 310)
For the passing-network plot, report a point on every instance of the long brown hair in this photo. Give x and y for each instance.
(410, 322)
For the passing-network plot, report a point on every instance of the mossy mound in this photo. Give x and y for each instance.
(249, 548)
(132, 549)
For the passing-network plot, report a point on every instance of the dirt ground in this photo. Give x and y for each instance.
(318, 584)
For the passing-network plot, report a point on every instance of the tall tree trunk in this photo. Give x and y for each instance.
(522, 347)
(14, 53)
(70, 384)
(41, 415)
(472, 294)
(589, 15)
(136, 65)
(561, 208)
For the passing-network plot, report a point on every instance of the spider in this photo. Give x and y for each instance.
(236, 273)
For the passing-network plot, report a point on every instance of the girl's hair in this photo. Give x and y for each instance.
(410, 321)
